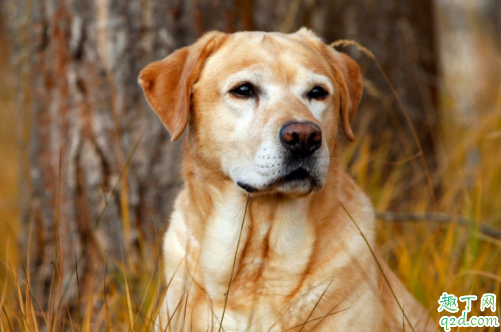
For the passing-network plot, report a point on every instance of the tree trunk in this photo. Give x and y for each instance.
(84, 116)
(401, 34)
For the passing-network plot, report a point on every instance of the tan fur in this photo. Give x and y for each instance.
(300, 257)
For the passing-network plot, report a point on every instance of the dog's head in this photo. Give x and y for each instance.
(263, 108)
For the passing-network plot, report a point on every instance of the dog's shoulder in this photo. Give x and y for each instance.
(354, 203)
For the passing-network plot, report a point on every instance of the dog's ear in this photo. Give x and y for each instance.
(167, 83)
(347, 73)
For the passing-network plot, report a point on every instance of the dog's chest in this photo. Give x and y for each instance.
(265, 256)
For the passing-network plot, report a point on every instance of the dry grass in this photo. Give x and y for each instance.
(432, 257)
(9, 161)
(429, 257)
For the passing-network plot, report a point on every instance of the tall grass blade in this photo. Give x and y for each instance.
(7, 317)
(317, 318)
(316, 305)
(234, 262)
(378, 265)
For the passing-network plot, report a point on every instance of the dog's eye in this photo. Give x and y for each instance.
(318, 93)
(244, 90)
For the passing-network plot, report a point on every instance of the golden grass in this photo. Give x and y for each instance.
(9, 162)
(429, 257)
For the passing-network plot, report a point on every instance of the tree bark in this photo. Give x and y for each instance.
(83, 114)
(401, 34)
(76, 66)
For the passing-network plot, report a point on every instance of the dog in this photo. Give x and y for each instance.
(268, 232)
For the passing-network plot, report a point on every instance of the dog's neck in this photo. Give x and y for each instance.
(213, 192)
(277, 231)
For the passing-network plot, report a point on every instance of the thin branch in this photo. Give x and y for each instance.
(439, 218)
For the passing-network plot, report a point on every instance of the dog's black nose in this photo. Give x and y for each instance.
(301, 138)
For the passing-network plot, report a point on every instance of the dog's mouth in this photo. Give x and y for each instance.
(298, 178)
(299, 174)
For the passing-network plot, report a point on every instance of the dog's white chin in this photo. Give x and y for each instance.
(302, 181)
(299, 188)
(295, 188)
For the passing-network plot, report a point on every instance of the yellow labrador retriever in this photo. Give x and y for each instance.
(259, 239)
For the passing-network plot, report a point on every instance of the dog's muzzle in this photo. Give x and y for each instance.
(300, 169)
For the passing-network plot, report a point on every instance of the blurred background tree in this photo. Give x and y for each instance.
(82, 115)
